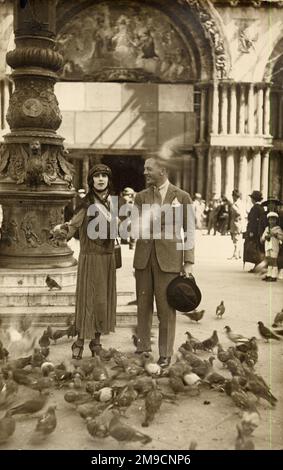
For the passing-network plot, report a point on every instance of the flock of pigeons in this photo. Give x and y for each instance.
(102, 388)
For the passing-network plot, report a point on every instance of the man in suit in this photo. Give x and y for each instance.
(158, 260)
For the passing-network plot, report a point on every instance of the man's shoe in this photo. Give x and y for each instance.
(164, 362)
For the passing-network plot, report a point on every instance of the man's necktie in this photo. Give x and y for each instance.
(157, 196)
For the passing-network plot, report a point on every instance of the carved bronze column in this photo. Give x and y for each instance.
(35, 177)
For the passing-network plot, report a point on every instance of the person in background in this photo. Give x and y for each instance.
(222, 215)
(236, 223)
(127, 198)
(212, 215)
(255, 215)
(199, 207)
(272, 238)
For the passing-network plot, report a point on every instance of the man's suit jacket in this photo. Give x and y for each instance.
(170, 259)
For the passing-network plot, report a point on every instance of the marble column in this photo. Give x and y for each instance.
(260, 111)
(224, 109)
(242, 110)
(215, 108)
(243, 174)
(233, 110)
(265, 173)
(216, 172)
(229, 173)
(200, 169)
(251, 117)
(256, 169)
(267, 111)
(202, 114)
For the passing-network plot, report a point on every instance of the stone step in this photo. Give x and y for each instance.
(37, 296)
(57, 315)
(36, 277)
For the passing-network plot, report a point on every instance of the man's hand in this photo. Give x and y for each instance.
(187, 270)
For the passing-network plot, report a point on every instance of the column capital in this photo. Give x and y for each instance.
(243, 151)
(200, 151)
(266, 151)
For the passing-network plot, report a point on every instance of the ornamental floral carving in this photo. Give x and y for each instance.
(32, 166)
(213, 33)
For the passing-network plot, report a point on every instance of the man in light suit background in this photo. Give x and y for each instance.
(157, 260)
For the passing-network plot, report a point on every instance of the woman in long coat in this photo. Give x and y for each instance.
(96, 278)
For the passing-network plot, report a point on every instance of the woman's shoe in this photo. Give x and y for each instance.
(77, 350)
(94, 347)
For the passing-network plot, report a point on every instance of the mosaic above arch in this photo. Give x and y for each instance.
(110, 42)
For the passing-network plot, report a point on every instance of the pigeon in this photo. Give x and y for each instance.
(51, 283)
(57, 334)
(96, 429)
(278, 319)
(234, 337)
(153, 401)
(124, 433)
(265, 332)
(46, 423)
(210, 343)
(220, 309)
(31, 406)
(7, 427)
(44, 340)
(196, 315)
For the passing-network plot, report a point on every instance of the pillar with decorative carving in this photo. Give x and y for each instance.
(35, 179)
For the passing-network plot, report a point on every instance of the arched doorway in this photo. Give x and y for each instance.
(130, 80)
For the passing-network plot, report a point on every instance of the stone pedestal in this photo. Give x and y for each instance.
(35, 176)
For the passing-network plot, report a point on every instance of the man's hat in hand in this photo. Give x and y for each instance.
(183, 294)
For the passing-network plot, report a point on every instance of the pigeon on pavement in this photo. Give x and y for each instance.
(265, 332)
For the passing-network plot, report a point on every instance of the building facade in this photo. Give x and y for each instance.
(199, 81)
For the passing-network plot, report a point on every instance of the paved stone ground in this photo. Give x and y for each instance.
(212, 425)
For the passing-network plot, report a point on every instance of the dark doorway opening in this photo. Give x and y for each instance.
(127, 171)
